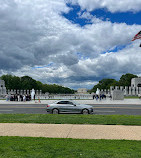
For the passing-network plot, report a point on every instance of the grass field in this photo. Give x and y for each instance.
(30, 147)
(27, 147)
(71, 119)
(131, 97)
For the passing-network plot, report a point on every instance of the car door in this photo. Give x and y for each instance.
(62, 106)
(71, 108)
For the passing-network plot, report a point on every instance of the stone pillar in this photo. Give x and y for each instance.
(108, 91)
(126, 91)
(30, 91)
(18, 92)
(111, 89)
(24, 91)
(37, 92)
(0, 91)
(139, 90)
(40, 92)
(11, 91)
(4, 91)
(116, 87)
(105, 91)
(21, 92)
(121, 88)
(129, 90)
(8, 91)
(14, 91)
(133, 91)
(27, 91)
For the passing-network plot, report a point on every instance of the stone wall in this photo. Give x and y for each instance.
(39, 94)
(136, 82)
(21, 92)
(128, 91)
(117, 95)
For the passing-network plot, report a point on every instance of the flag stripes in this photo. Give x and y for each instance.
(137, 36)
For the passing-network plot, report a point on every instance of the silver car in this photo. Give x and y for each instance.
(67, 106)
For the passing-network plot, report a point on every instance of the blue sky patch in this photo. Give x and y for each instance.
(117, 48)
(74, 17)
(129, 18)
(81, 56)
(44, 66)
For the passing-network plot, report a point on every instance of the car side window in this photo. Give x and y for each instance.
(69, 103)
(61, 102)
(65, 102)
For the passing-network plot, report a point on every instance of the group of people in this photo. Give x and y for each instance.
(18, 97)
(100, 97)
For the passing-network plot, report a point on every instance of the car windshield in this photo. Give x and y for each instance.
(76, 103)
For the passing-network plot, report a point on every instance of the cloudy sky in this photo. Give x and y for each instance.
(74, 43)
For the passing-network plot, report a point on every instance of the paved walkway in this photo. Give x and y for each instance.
(107, 101)
(71, 131)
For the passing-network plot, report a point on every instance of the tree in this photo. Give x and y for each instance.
(28, 83)
(104, 84)
(11, 82)
(125, 80)
(39, 85)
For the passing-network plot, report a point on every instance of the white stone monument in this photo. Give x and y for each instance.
(32, 94)
(97, 91)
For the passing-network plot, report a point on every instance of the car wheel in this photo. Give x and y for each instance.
(55, 111)
(85, 111)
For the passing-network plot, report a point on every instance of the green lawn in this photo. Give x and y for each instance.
(131, 97)
(71, 119)
(27, 147)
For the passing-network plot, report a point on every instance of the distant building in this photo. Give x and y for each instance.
(82, 90)
(136, 82)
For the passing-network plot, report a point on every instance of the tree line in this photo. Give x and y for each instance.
(125, 80)
(28, 83)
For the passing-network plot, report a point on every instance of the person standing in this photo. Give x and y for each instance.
(24, 98)
(18, 97)
(34, 97)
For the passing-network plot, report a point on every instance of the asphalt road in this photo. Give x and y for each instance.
(98, 109)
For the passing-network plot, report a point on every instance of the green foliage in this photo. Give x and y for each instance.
(104, 84)
(26, 82)
(11, 81)
(125, 80)
(53, 88)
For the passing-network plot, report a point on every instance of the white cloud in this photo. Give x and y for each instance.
(110, 5)
(34, 33)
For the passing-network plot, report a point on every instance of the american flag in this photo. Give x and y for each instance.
(137, 36)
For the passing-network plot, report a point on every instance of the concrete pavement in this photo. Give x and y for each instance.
(107, 101)
(71, 131)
